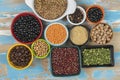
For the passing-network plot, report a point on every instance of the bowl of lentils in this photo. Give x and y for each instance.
(56, 34)
(95, 14)
(19, 56)
(40, 48)
(26, 28)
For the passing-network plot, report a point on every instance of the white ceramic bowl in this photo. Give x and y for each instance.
(52, 43)
(84, 17)
(71, 7)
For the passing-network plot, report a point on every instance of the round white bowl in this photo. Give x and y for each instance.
(52, 43)
(71, 6)
(84, 16)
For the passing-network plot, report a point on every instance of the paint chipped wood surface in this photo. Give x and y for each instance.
(40, 69)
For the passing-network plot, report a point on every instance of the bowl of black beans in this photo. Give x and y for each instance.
(20, 56)
(26, 28)
(95, 14)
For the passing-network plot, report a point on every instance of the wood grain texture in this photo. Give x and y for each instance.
(40, 69)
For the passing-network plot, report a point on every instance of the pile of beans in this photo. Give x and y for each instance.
(26, 28)
(94, 14)
(65, 61)
(102, 33)
(96, 56)
(41, 48)
(20, 56)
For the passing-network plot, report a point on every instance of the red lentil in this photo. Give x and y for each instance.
(56, 34)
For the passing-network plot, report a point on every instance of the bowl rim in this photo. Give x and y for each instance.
(84, 14)
(23, 14)
(34, 53)
(18, 67)
(67, 34)
(96, 26)
(98, 6)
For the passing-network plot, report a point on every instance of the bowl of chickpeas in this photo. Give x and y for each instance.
(101, 34)
(40, 48)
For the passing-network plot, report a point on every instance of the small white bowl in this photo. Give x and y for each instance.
(84, 17)
(52, 43)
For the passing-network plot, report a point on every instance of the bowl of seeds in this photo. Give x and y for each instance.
(41, 48)
(51, 10)
(20, 56)
(101, 34)
(26, 28)
(78, 17)
(95, 14)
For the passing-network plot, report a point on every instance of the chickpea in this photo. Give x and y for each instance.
(102, 34)
(40, 48)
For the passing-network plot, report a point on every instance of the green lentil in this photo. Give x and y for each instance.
(98, 56)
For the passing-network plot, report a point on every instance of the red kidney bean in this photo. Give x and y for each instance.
(65, 61)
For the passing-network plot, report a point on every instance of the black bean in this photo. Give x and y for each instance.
(95, 14)
(26, 28)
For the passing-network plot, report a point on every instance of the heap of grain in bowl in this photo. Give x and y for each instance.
(41, 48)
(79, 35)
(101, 33)
(50, 9)
(56, 34)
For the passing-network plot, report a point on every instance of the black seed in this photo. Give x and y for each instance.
(94, 14)
(26, 27)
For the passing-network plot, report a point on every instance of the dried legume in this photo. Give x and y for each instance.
(26, 28)
(95, 14)
(97, 56)
(41, 48)
(65, 61)
(56, 34)
(102, 33)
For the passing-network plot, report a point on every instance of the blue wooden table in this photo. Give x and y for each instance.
(40, 69)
